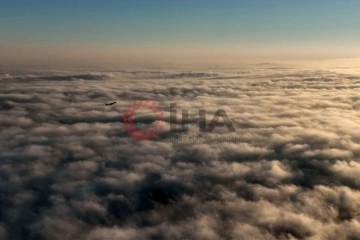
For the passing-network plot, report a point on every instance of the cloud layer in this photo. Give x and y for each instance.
(70, 171)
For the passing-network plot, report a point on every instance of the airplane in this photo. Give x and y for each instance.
(108, 104)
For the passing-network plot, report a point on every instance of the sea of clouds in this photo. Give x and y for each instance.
(291, 170)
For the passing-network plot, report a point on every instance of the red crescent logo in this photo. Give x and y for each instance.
(150, 133)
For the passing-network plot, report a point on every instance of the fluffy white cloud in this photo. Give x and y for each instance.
(290, 171)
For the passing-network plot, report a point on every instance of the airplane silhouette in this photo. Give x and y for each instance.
(108, 104)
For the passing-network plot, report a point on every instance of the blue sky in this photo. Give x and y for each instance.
(185, 22)
(173, 20)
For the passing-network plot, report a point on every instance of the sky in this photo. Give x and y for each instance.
(112, 30)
